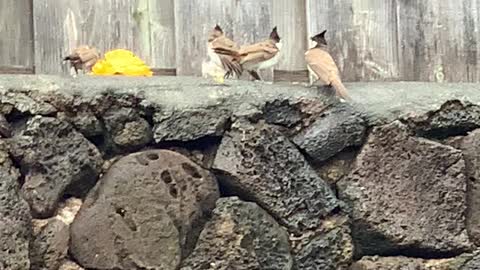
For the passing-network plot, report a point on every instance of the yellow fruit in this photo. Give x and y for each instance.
(121, 62)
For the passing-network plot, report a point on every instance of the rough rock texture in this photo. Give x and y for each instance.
(452, 118)
(127, 129)
(189, 125)
(407, 195)
(398, 207)
(330, 247)
(50, 244)
(336, 129)
(15, 230)
(258, 162)
(69, 265)
(53, 156)
(404, 263)
(84, 122)
(5, 128)
(146, 210)
(240, 235)
(472, 261)
(337, 167)
(470, 146)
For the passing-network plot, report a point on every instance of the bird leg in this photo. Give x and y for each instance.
(255, 75)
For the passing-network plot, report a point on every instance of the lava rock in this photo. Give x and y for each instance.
(24, 103)
(401, 263)
(259, 163)
(53, 156)
(84, 122)
(5, 128)
(453, 118)
(50, 244)
(337, 167)
(189, 125)
(240, 235)
(15, 219)
(328, 248)
(145, 213)
(470, 147)
(336, 129)
(69, 265)
(128, 131)
(406, 194)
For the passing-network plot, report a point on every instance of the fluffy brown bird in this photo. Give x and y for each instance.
(321, 64)
(218, 41)
(257, 56)
(83, 58)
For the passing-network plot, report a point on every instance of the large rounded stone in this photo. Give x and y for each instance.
(240, 236)
(53, 156)
(15, 228)
(145, 213)
(407, 195)
(260, 164)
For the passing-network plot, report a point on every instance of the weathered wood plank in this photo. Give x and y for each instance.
(253, 23)
(439, 40)
(362, 36)
(142, 26)
(162, 33)
(245, 21)
(16, 37)
(193, 20)
(289, 17)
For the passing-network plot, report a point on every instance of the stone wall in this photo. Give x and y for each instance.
(180, 173)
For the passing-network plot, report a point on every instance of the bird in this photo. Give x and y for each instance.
(218, 62)
(258, 56)
(321, 64)
(83, 58)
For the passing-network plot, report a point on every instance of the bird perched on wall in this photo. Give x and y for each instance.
(321, 64)
(220, 63)
(256, 56)
(83, 57)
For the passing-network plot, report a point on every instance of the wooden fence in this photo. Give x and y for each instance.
(371, 40)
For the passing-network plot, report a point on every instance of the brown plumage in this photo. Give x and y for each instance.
(254, 57)
(218, 41)
(83, 58)
(323, 67)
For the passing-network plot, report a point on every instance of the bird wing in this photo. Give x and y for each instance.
(258, 52)
(322, 64)
(84, 55)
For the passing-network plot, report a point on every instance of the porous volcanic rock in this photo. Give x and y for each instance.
(53, 156)
(145, 213)
(15, 229)
(259, 163)
(470, 147)
(454, 117)
(333, 131)
(127, 130)
(50, 244)
(240, 236)
(328, 248)
(401, 263)
(190, 124)
(407, 194)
